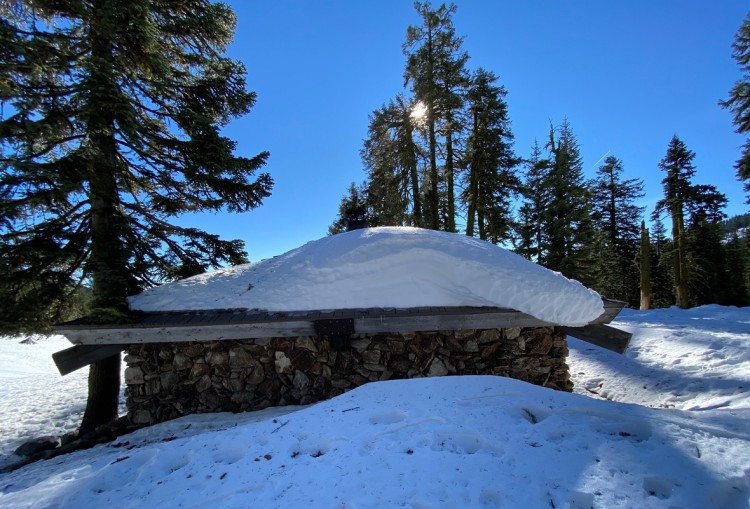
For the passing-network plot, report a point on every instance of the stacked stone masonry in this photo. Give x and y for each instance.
(168, 380)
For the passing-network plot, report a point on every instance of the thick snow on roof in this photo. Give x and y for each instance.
(384, 267)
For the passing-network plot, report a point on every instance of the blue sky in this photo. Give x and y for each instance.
(627, 75)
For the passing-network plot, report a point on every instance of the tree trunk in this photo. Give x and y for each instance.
(411, 162)
(645, 258)
(472, 198)
(680, 259)
(104, 394)
(434, 200)
(107, 262)
(450, 221)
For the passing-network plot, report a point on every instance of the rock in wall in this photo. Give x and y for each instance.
(168, 380)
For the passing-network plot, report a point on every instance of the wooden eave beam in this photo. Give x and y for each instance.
(99, 342)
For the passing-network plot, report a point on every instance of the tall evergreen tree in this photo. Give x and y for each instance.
(114, 126)
(390, 156)
(435, 68)
(616, 218)
(739, 99)
(678, 164)
(491, 178)
(688, 205)
(567, 221)
(530, 224)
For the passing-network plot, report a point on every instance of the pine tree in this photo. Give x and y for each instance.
(616, 218)
(113, 126)
(739, 99)
(567, 223)
(491, 179)
(436, 70)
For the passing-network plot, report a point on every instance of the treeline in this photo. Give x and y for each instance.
(441, 155)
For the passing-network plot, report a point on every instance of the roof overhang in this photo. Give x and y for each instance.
(218, 325)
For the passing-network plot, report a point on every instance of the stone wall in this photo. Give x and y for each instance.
(167, 380)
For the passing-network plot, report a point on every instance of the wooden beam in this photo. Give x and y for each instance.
(369, 324)
(78, 356)
(417, 323)
(601, 335)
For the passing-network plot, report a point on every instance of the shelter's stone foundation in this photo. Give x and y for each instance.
(168, 380)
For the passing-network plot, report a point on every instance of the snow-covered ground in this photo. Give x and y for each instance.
(666, 425)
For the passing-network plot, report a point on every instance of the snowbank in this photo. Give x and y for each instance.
(384, 267)
(428, 443)
(441, 442)
(695, 359)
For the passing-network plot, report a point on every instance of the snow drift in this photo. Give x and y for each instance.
(392, 267)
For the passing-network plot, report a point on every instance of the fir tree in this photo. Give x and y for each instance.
(113, 126)
(678, 164)
(696, 206)
(491, 179)
(435, 68)
(536, 198)
(356, 197)
(739, 99)
(706, 260)
(390, 156)
(616, 218)
(567, 223)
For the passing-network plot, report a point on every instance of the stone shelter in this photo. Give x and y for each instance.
(207, 359)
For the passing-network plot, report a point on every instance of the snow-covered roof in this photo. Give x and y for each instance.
(390, 267)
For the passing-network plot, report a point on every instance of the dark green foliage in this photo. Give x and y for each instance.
(678, 165)
(661, 267)
(616, 218)
(739, 224)
(735, 284)
(567, 228)
(706, 261)
(739, 99)
(111, 126)
(490, 180)
(696, 213)
(529, 225)
(356, 198)
(390, 155)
